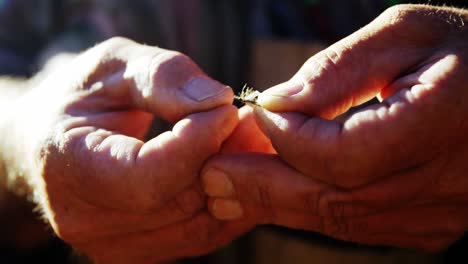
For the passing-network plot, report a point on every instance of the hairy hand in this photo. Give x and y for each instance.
(101, 187)
(393, 173)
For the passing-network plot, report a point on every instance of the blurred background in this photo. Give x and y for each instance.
(259, 42)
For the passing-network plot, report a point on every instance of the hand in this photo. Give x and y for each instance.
(79, 138)
(393, 173)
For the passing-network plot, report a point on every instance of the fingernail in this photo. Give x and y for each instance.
(227, 209)
(275, 96)
(202, 88)
(216, 183)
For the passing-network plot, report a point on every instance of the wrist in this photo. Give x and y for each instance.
(23, 125)
(15, 161)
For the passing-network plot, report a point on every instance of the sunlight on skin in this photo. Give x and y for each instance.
(381, 176)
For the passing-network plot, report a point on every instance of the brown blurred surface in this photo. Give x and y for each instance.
(276, 61)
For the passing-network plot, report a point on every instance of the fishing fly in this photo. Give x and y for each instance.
(248, 95)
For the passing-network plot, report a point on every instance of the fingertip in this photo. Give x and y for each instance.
(270, 101)
(246, 111)
(225, 209)
(281, 97)
(216, 183)
(268, 121)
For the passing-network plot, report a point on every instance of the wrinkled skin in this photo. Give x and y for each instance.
(79, 145)
(394, 173)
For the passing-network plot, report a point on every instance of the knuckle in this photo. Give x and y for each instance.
(320, 67)
(330, 205)
(178, 57)
(336, 209)
(264, 199)
(397, 13)
(116, 43)
(310, 198)
(342, 204)
(322, 61)
(101, 60)
(406, 19)
(325, 64)
(323, 74)
(171, 62)
(336, 218)
(169, 72)
(105, 49)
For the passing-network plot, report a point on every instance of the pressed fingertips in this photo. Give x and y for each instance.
(216, 183)
(203, 88)
(225, 209)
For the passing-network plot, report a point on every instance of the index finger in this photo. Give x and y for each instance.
(116, 171)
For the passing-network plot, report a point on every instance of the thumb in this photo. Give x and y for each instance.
(355, 69)
(165, 83)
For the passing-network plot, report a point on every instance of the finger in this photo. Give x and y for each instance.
(196, 236)
(109, 222)
(395, 191)
(356, 68)
(165, 83)
(247, 137)
(407, 130)
(262, 185)
(399, 227)
(229, 210)
(121, 172)
(133, 123)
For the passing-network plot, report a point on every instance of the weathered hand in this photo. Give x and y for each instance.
(105, 191)
(393, 173)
